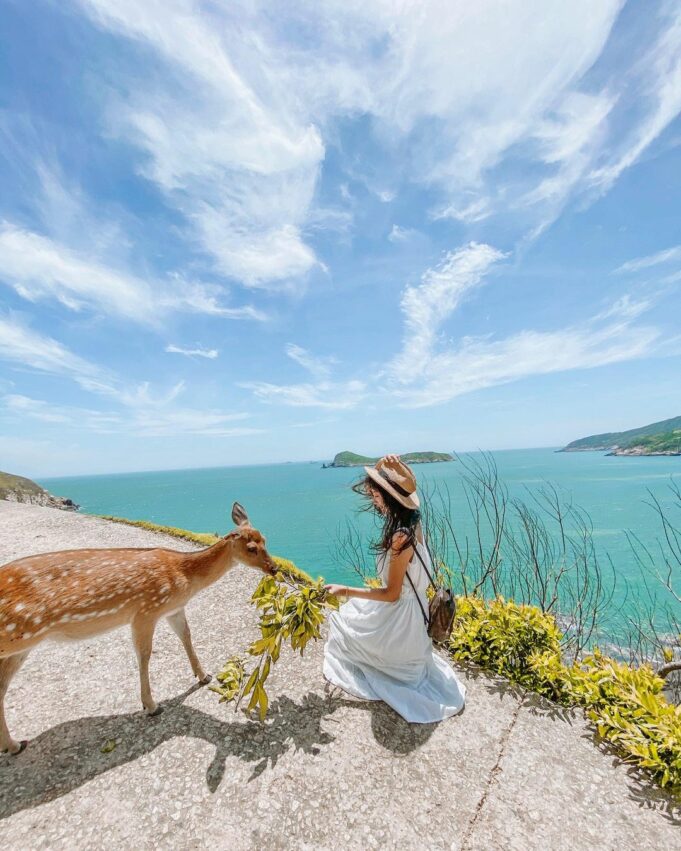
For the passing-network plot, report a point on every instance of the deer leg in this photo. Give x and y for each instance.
(178, 623)
(142, 638)
(9, 665)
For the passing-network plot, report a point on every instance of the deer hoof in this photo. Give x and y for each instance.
(15, 748)
(205, 679)
(155, 711)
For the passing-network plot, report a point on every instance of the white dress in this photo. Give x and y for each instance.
(381, 651)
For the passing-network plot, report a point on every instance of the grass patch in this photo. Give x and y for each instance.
(206, 539)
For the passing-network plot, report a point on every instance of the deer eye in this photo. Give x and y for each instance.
(251, 546)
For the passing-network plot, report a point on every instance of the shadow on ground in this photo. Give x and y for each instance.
(642, 789)
(68, 755)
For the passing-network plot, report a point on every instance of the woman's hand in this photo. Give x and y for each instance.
(393, 458)
(336, 590)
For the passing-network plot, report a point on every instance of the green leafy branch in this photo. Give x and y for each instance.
(291, 610)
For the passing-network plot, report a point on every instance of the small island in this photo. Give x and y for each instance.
(661, 438)
(19, 489)
(352, 459)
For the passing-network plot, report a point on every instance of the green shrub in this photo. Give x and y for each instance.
(628, 709)
(625, 704)
(508, 639)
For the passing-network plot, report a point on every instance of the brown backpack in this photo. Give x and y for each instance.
(441, 609)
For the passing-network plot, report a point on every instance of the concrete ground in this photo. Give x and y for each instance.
(324, 771)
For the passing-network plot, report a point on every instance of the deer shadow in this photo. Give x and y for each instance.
(70, 754)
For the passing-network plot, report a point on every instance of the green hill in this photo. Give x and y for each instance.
(352, 459)
(19, 489)
(623, 439)
(667, 443)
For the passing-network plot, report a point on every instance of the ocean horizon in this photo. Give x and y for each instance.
(320, 461)
(303, 510)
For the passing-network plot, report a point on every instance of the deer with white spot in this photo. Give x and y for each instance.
(76, 594)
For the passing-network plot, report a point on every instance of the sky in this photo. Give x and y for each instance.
(250, 232)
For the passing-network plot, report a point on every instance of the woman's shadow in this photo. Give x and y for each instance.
(65, 757)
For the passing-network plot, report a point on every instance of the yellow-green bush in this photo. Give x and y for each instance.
(506, 638)
(625, 704)
(628, 709)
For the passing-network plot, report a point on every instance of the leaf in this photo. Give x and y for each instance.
(254, 698)
(263, 701)
(251, 682)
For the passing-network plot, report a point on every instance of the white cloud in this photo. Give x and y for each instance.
(473, 111)
(427, 305)
(657, 77)
(323, 394)
(320, 367)
(22, 345)
(314, 423)
(424, 374)
(569, 138)
(38, 268)
(158, 423)
(475, 211)
(143, 421)
(210, 354)
(25, 406)
(477, 363)
(145, 413)
(400, 234)
(225, 137)
(627, 307)
(668, 255)
(234, 115)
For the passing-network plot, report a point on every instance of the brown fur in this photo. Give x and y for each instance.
(76, 594)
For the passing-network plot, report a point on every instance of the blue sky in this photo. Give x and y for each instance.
(251, 232)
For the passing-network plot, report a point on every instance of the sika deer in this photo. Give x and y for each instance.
(78, 594)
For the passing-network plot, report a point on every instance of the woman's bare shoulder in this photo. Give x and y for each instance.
(401, 541)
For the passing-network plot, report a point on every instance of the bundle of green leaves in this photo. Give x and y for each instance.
(292, 609)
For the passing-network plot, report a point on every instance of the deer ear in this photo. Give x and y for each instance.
(239, 515)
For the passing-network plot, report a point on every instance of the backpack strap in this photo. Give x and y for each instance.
(426, 618)
(428, 573)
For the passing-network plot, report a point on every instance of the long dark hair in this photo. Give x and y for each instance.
(397, 518)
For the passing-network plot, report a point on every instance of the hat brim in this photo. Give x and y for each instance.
(411, 501)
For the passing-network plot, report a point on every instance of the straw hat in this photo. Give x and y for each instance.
(397, 479)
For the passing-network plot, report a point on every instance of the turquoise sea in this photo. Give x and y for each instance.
(300, 507)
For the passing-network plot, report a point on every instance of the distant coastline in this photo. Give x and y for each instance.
(661, 438)
(20, 489)
(352, 459)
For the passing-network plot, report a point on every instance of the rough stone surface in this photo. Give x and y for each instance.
(324, 771)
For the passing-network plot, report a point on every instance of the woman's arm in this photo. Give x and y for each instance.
(399, 561)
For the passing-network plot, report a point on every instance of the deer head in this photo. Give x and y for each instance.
(249, 544)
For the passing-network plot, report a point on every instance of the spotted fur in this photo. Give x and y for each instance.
(76, 594)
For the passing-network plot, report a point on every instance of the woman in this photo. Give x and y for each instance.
(378, 646)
